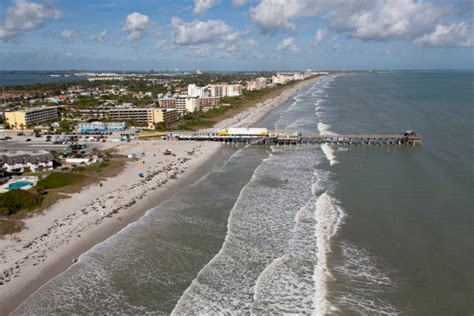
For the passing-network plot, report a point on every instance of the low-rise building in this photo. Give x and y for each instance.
(20, 161)
(29, 117)
(100, 127)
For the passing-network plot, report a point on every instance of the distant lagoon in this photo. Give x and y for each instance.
(14, 78)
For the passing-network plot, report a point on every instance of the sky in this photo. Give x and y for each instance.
(237, 35)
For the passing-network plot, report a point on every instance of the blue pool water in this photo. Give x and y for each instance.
(18, 185)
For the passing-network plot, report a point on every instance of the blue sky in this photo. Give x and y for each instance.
(236, 34)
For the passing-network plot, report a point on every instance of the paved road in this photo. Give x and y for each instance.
(30, 146)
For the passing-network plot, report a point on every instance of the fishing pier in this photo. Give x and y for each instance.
(262, 136)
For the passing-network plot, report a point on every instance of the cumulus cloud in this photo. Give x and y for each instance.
(201, 6)
(68, 34)
(24, 16)
(319, 36)
(136, 23)
(275, 15)
(418, 21)
(99, 37)
(200, 32)
(381, 20)
(453, 35)
(206, 38)
(287, 44)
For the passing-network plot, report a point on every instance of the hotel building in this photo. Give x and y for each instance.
(144, 116)
(30, 117)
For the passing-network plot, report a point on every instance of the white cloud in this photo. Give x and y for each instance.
(382, 20)
(206, 38)
(319, 37)
(201, 6)
(200, 32)
(24, 16)
(136, 23)
(274, 15)
(134, 36)
(453, 35)
(239, 3)
(68, 34)
(288, 44)
(99, 37)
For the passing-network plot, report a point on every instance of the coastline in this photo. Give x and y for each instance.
(68, 229)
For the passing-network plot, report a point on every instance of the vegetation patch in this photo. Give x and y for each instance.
(15, 201)
(59, 179)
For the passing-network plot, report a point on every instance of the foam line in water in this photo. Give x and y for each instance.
(324, 129)
(329, 153)
(365, 279)
(329, 217)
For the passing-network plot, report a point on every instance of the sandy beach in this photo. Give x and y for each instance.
(54, 239)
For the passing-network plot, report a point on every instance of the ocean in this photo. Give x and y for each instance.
(344, 230)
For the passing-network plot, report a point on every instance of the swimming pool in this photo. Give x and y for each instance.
(18, 185)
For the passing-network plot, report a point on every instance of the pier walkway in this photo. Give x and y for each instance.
(289, 138)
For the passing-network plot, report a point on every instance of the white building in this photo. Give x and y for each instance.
(20, 161)
(196, 91)
(225, 90)
(257, 84)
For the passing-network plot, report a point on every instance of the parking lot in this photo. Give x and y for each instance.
(31, 146)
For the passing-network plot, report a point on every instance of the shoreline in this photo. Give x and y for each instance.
(46, 257)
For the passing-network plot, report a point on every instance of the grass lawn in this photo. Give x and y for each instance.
(58, 180)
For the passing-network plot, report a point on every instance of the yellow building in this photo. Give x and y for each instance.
(165, 116)
(187, 104)
(30, 117)
(144, 116)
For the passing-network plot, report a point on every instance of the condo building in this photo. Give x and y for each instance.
(225, 90)
(196, 91)
(19, 161)
(167, 103)
(187, 104)
(257, 84)
(209, 102)
(30, 117)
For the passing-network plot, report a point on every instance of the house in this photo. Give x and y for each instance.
(20, 161)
